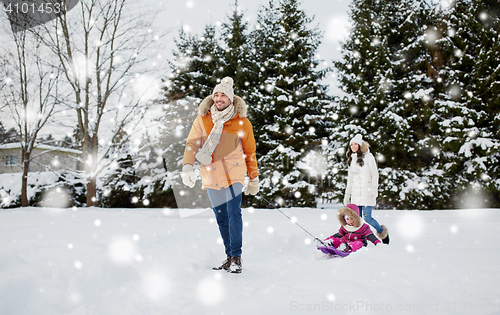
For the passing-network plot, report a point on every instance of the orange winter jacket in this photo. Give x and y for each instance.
(234, 155)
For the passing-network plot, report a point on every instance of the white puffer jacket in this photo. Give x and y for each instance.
(362, 181)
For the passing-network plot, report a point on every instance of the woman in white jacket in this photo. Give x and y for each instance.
(362, 183)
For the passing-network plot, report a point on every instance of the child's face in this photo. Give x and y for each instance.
(349, 220)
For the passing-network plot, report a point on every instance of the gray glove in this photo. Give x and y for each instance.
(188, 176)
(253, 186)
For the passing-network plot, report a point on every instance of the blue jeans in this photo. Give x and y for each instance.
(367, 215)
(226, 204)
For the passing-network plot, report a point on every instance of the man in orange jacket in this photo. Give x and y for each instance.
(222, 140)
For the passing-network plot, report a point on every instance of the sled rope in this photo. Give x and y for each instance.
(314, 237)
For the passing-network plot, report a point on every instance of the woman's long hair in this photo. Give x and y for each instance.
(360, 156)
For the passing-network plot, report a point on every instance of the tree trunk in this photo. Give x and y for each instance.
(92, 192)
(92, 184)
(24, 186)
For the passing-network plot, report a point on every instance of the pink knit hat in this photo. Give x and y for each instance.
(352, 211)
(354, 207)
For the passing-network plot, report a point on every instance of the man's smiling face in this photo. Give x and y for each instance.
(221, 101)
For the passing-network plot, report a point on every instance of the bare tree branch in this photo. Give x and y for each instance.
(104, 50)
(29, 96)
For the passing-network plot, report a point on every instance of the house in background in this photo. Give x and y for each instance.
(43, 158)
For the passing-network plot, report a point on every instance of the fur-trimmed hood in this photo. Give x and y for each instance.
(365, 147)
(239, 105)
(357, 220)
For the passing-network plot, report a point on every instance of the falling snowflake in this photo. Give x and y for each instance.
(122, 250)
(409, 248)
(155, 285)
(410, 225)
(78, 265)
(210, 291)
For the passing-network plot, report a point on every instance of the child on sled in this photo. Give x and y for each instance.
(353, 233)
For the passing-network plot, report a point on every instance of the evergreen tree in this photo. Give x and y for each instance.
(363, 79)
(201, 62)
(154, 184)
(8, 136)
(120, 186)
(468, 107)
(290, 117)
(175, 125)
(120, 180)
(235, 61)
(196, 65)
(387, 73)
(67, 142)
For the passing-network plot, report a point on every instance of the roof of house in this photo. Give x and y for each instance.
(17, 145)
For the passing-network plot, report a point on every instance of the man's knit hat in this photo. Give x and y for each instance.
(226, 87)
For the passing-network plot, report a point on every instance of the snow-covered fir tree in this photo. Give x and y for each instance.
(118, 181)
(194, 73)
(200, 62)
(8, 136)
(421, 86)
(386, 73)
(139, 177)
(175, 125)
(119, 186)
(362, 78)
(275, 70)
(468, 107)
(196, 65)
(152, 169)
(291, 114)
(237, 50)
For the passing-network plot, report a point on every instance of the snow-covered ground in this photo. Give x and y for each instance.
(152, 261)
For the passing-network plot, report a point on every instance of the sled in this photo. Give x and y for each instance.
(331, 250)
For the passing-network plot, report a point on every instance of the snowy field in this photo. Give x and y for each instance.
(150, 261)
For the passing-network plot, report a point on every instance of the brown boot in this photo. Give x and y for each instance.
(225, 264)
(235, 266)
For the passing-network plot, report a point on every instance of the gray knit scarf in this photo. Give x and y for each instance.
(219, 118)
